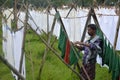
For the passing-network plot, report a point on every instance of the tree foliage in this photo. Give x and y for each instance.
(6, 3)
(59, 3)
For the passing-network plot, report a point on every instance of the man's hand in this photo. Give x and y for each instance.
(79, 45)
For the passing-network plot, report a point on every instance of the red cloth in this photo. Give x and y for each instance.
(67, 52)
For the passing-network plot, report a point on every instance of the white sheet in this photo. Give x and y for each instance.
(12, 44)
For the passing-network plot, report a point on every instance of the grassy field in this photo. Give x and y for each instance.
(53, 68)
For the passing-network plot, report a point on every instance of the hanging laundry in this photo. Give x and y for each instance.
(115, 71)
(69, 53)
(111, 52)
(12, 44)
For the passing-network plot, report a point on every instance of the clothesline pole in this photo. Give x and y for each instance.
(117, 30)
(15, 14)
(95, 19)
(73, 6)
(46, 49)
(48, 19)
(69, 12)
(23, 42)
(85, 29)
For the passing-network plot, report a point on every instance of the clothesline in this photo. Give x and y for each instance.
(82, 16)
(99, 14)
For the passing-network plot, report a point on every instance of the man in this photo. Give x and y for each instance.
(91, 49)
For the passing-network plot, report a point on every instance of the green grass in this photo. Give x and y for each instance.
(102, 73)
(53, 68)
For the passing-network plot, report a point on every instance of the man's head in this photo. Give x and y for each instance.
(92, 29)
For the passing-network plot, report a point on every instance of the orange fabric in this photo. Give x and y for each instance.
(67, 52)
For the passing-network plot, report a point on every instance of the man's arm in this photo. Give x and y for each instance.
(82, 43)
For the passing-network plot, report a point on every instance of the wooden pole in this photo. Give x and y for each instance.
(15, 14)
(11, 68)
(116, 35)
(117, 31)
(87, 22)
(48, 20)
(46, 50)
(95, 18)
(23, 44)
(69, 11)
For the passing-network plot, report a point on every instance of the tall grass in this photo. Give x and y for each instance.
(53, 68)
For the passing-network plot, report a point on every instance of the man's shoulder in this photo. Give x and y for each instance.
(95, 39)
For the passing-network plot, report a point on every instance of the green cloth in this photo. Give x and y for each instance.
(113, 61)
(119, 65)
(107, 51)
(110, 59)
(115, 71)
(62, 42)
(104, 51)
(73, 57)
(117, 68)
(100, 34)
(62, 47)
